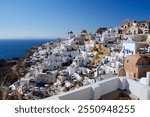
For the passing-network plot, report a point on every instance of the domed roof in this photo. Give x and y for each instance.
(83, 31)
(70, 32)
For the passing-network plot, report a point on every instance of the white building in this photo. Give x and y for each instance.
(70, 35)
(46, 78)
(71, 69)
(110, 35)
(110, 65)
(64, 75)
(132, 47)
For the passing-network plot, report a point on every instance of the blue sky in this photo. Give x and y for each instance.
(53, 18)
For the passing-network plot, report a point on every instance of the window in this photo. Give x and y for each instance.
(76, 61)
(132, 52)
(129, 32)
(134, 75)
(143, 25)
(142, 62)
(134, 32)
(143, 74)
(120, 36)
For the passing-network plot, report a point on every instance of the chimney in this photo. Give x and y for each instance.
(148, 79)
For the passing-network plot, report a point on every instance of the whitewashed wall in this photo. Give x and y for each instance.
(95, 91)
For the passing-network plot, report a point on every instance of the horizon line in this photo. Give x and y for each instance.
(30, 38)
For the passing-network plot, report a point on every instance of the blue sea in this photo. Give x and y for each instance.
(13, 48)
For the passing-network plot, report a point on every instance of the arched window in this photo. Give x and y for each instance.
(134, 32)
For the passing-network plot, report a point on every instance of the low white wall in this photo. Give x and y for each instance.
(81, 94)
(140, 90)
(95, 91)
(109, 85)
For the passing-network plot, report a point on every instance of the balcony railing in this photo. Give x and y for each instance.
(143, 66)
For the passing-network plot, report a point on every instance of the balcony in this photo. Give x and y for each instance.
(143, 66)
